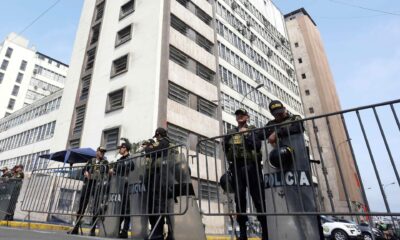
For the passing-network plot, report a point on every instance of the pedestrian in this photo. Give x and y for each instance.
(94, 173)
(122, 168)
(159, 178)
(6, 173)
(243, 152)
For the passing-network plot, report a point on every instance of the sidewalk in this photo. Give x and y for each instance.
(14, 230)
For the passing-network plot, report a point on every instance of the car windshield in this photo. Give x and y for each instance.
(326, 219)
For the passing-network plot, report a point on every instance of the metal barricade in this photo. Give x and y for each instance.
(145, 187)
(321, 165)
(9, 192)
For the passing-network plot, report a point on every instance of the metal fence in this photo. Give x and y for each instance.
(9, 192)
(141, 185)
(341, 163)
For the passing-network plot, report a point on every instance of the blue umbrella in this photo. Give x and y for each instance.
(71, 156)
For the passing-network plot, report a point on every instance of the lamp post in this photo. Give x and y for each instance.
(258, 87)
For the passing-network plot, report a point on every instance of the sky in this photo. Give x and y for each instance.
(363, 46)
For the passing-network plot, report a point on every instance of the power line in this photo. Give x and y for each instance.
(365, 8)
(38, 17)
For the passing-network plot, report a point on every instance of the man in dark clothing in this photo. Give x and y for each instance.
(281, 116)
(122, 168)
(243, 152)
(159, 173)
(94, 173)
(6, 173)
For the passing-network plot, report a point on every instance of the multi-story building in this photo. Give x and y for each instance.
(182, 64)
(28, 132)
(26, 75)
(319, 97)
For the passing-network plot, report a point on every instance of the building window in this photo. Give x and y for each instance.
(110, 138)
(19, 77)
(300, 60)
(207, 147)
(303, 76)
(204, 72)
(178, 135)
(95, 34)
(100, 10)
(75, 143)
(11, 104)
(127, 9)
(206, 107)
(209, 190)
(23, 65)
(178, 57)
(178, 94)
(91, 54)
(79, 119)
(296, 44)
(123, 35)
(178, 25)
(15, 90)
(115, 100)
(307, 92)
(311, 109)
(1, 77)
(9, 52)
(4, 65)
(119, 66)
(85, 87)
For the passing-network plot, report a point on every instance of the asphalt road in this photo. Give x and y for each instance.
(7, 233)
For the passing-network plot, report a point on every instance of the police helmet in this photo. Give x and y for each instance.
(284, 155)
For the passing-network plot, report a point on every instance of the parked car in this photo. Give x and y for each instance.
(366, 230)
(339, 230)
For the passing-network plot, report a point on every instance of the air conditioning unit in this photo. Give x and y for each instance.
(248, 23)
(234, 5)
(283, 40)
(246, 4)
(269, 53)
(277, 45)
(252, 37)
(289, 72)
(35, 71)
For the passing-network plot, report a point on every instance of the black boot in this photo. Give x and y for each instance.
(74, 231)
(92, 232)
(123, 234)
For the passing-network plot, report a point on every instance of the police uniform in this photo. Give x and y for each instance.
(122, 168)
(93, 187)
(243, 152)
(159, 174)
(283, 130)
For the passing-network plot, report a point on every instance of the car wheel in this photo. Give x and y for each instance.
(339, 235)
(367, 236)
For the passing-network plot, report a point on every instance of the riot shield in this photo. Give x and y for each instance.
(289, 189)
(137, 185)
(111, 227)
(184, 201)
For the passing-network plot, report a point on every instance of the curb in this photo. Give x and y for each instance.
(54, 227)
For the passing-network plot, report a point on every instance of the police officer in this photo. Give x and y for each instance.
(122, 168)
(93, 172)
(243, 152)
(281, 116)
(6, 173)
(18, 171)
(158, 153)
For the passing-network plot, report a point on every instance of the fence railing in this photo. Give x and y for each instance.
(148, 182)
(334, 164)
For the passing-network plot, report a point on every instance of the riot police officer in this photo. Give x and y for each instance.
(159, 173)
(94, 172)
(121, 168)
(243, 152)
(281, 116)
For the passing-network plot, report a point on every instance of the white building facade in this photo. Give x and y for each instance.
(185, 65)
(28, 133)
(26, 75)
